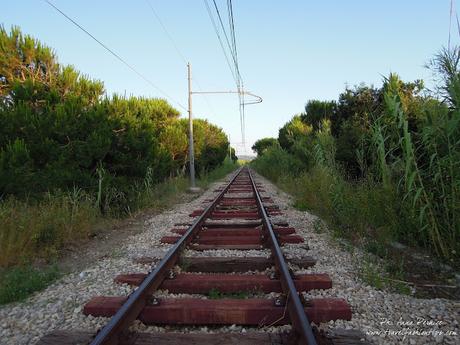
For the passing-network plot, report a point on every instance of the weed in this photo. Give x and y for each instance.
(345, 245)
(38, 229)
(300, 205)
(185, 263)
(31, 229)
(377, 248)
(318, 226)
(371, 274)
(401, 288)
(116, 253)
(216, 294)
(389, 277)
(19, 282)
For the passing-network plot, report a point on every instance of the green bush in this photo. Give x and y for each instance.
(59, 131)
(381, 163)
(69, 153)
(276, 162)
(261, 145)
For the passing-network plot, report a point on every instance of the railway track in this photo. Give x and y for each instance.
(239, 218)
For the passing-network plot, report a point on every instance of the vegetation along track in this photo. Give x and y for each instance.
(239, 218)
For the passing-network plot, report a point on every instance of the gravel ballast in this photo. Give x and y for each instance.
(386, 318)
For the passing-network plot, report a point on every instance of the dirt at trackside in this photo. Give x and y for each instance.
(108, 238)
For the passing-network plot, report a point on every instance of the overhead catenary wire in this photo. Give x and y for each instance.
(232, 52)
(148, 81)
(231, 24)
(232, 47)
(220, 41)
(231, 44)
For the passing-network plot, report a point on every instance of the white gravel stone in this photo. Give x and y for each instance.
(60, 305)
(381, 315)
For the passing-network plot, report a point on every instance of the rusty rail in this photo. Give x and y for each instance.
(299, 319)
(130, 310)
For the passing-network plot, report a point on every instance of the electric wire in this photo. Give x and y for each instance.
(231, 44)
(233, 52)
(241, 85)
(166, 32)
(220, 40)
(179, 52)
(116, 55)
(228, 42)
(231, 24)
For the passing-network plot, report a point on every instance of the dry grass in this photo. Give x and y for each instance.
(37, 230)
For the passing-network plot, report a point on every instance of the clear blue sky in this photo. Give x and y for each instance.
(289, 51)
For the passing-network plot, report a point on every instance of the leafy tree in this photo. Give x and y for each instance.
(174, 140)
(24, 58)
(210, 143)
(261, 145)
(233, 155)
(293, 131)
(29, 72)
(57, 131)
(316, 111)
(359, 103)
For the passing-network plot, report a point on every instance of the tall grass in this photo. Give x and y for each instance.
(407, 201)
(408, 152)
(31, 229)
(412, 182)
(355, 210)
(38, 229)
(423, 167)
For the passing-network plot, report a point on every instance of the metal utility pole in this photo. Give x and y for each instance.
(193, 187)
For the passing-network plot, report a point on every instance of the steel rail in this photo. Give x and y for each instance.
(136, 301)
(296, 310)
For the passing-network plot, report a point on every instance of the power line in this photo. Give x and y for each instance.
(178, 51)
(228, 43)
(115, 55)
(232, 29)
(231, 25)
(220, 40)
(167, 32)
(234, 54)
